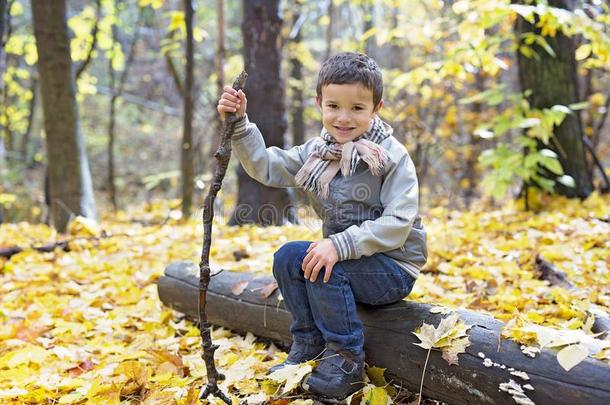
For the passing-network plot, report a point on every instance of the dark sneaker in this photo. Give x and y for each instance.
(338, 374)
(300, 353)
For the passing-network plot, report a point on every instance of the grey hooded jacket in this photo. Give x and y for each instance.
(364, 214)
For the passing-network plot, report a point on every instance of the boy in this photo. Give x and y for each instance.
(365, 190)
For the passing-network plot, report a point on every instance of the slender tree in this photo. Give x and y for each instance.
(219, 61)
(71, 191)
(553, 80)
(83, 66)
(330, 11)
(297, 109)
(116, 92)
(3, 13)
(265, 89)
(186, 152)
(25, 140)
(368, 9)
(220, 56)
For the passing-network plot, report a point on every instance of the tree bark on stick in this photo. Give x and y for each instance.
(223, 155)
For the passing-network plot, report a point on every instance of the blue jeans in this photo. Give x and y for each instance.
(326, 312)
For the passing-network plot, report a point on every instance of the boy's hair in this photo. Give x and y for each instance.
(348, 68)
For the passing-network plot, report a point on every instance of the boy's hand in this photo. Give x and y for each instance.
(320, 254)
(232, 101)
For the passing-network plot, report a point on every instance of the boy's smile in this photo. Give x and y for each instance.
(347, 110)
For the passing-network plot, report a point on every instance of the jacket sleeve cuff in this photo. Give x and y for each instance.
(241, 128)
(344, 244)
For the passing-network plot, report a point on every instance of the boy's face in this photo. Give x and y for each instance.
(347, 110)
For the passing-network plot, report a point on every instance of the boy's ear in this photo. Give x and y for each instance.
(318, 102)
(378, 106)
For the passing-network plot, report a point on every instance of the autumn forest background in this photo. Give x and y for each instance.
(108, 129)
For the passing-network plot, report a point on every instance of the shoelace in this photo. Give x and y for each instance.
(354, 364)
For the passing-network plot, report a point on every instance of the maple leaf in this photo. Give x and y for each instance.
(450, 336)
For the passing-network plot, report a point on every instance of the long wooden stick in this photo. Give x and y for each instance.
(222, 155)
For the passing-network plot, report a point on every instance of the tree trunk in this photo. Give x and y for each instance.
(89, 58)
(329, 29)
(3, 12)
(116, 92)
(262, 54)
(70, 180)
(25, 141)
(219, 60)
(220, 46)
(397, 51)
(7, 133)
(186, 152)
(553, 81)
(474, 145)
(368, 10)
(111, 125)
(296, 72)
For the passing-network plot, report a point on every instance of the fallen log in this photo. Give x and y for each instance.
(389, 343)
(13, 250)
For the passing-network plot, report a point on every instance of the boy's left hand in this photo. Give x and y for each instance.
(320, 254)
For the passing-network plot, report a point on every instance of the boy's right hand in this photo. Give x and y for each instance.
(232, 101)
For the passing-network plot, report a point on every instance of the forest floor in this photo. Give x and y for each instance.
(86, 325)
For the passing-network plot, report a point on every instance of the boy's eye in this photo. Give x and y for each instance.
(332, 106)
(358, 108)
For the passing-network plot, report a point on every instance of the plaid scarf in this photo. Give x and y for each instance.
(329, 157)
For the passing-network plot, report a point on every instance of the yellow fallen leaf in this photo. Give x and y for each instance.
(84, 227)
(376, 376)
(375, 396)
(27, 354)
(450, 336)
(572, 355)
(292, 375)
(12, 393)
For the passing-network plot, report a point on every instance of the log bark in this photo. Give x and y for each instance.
(389, 343)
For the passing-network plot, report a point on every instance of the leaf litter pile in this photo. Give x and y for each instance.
(85, 325)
